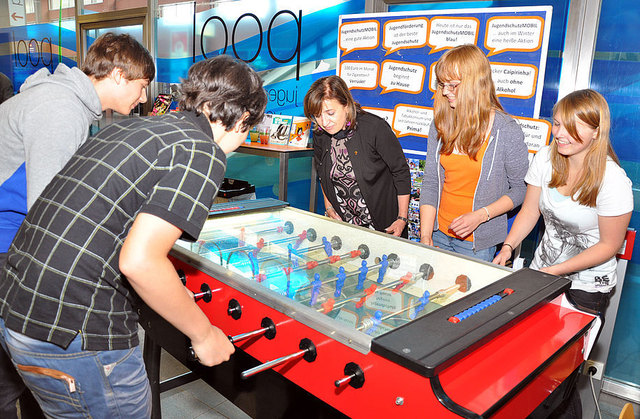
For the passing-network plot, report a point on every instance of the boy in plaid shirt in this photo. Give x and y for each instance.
(101, 233)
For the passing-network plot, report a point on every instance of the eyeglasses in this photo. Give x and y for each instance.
(451, 86)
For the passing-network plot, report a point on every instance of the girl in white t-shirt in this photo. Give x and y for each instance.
(585, 199)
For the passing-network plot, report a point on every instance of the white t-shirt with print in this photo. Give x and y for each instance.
(571, 228)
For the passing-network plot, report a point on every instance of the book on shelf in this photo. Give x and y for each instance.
(280, 129)
(300, 130)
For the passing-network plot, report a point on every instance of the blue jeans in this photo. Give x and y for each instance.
(73, 383)
(463, 247)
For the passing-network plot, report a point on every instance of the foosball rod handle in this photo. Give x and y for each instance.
(307, 352)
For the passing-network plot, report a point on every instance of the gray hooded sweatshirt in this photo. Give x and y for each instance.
(40, 129)
(504, 165)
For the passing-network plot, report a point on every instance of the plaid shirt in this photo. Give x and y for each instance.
(62, 276)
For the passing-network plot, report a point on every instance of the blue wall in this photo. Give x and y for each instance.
(616, 74)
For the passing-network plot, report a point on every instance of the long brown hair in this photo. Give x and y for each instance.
(465, 126)
(591, 108)
(327, 88)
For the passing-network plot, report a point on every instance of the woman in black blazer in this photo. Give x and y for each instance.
(362, 169)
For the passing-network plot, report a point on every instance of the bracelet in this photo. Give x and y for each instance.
(507, 244)
(403, 219)
(488, 216)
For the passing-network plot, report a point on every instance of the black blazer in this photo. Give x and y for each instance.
(379, 165)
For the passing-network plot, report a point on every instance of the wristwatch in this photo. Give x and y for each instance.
(403, 219)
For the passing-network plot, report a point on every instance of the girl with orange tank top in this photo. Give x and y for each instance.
(476, 159)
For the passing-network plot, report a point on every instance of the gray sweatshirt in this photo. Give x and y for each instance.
(45, 124)
(504, 166)
(40, 129)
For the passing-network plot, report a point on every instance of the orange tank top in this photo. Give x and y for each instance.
(461, 174)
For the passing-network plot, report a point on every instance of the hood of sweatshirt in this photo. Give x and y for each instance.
(70, 78)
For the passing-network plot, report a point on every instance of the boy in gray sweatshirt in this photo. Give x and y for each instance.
(43, 126)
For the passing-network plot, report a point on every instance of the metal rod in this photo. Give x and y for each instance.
(328, 281)
(262, 243)
(340, 382)
(271, 364)
(209, 236)
(245, 247)
(280, 241)
(360, 296)
(243, 336)
(328, 260)
(268, 230)
(373, 289)
(310, 248)
(438, 294)
(388, 316)
(335, 278)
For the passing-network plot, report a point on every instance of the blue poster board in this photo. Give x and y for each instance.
(387, 60)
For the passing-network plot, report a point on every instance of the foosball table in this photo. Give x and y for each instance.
(331, 320)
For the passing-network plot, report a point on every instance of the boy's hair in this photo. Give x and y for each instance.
(226, 88)
(327, 88)
(122, 51)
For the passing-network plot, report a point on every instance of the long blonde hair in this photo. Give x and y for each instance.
(591, 108)
(465, 126)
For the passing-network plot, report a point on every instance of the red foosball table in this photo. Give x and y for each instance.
(333, 320)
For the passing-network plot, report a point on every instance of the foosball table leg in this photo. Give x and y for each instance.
(151, 354)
